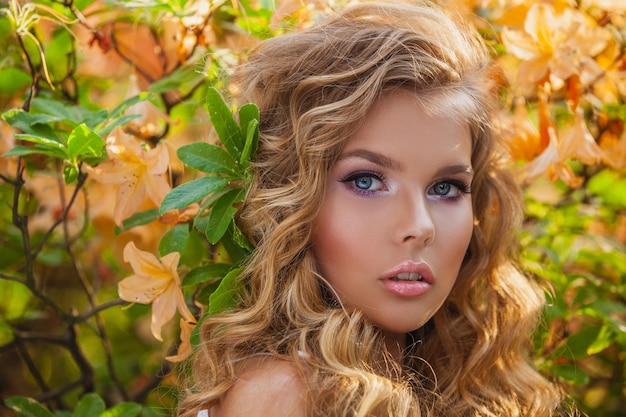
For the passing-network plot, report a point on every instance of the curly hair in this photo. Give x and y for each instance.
(314, 89)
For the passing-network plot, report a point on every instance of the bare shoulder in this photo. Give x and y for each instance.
(266, 387)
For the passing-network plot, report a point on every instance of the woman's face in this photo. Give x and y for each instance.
(397, 218)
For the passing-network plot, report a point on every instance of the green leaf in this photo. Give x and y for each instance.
(209, 158)
(221, 215)
(586, 342)
(71, 114)
(20, 150)
(43, 141)
(240, 239)
(224, 123)
(106, 127)
(252, 140)
(138, 219)
(89, 405)
(27, 407)
(125, 409)
(84, 142)
(247, 113)
(226, 294)
(128, 103)
(30, 124)
(570, 373)
(190, 192)
(174, 240)
(204, 273)
(13, 80)
(70, 173)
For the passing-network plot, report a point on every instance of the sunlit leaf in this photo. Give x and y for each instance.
(84, 142)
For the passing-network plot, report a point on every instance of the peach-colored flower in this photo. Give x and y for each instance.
(556, 46)
(579, 143)
(155, 281)
(523, 137)
(549, 163)
(176, 216)
(614, 150)
(184, 349)
(140, 172)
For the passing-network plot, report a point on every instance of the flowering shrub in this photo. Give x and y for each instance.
(119, 187)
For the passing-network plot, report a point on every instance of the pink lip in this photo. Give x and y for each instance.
(409, 288)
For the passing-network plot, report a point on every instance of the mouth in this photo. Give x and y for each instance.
(410, 271)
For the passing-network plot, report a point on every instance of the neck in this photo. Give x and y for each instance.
(395, 343)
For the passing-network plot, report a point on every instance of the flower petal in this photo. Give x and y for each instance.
(163, 309)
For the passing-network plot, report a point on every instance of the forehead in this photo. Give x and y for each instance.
(398, 134)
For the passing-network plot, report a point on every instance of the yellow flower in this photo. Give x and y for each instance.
(157, 282)
(140, 172)
(556, 47)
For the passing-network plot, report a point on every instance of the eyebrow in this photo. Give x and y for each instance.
(455, 169)
(392, 164)
(373, 157)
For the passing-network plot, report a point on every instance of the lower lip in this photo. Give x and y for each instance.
(406, 288)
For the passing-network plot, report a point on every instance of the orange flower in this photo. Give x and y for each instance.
(139, 172)
(184, 349)
(157, 282)
(556, 47)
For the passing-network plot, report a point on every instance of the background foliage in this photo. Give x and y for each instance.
(104, 114)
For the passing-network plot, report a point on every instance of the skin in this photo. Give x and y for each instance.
(266, 387)
(398, 195)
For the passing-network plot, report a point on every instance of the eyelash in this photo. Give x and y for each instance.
(462, 186)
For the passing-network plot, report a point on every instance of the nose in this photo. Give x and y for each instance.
(415, 224)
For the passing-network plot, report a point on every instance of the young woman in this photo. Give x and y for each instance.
(382, 282)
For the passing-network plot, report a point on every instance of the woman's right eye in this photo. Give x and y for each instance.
(364, 181)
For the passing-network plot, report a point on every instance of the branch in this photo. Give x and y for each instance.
(98, 309)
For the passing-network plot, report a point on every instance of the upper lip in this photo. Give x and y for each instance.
(421, 268)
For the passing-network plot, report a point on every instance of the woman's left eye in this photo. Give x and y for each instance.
(449, 189)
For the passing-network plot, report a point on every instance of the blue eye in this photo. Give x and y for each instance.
(363, 181)
(442, 188)
(449, 189)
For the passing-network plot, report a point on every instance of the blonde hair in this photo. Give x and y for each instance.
(313, 89)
